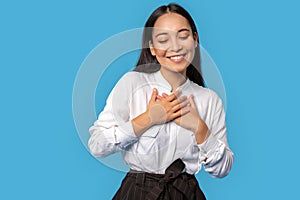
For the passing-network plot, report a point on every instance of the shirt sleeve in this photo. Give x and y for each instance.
(113, 130)
(215, 154)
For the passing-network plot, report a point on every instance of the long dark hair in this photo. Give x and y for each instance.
(148, 63)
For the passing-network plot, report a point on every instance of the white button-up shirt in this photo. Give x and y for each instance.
(162, 144)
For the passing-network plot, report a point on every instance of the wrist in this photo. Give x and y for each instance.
(147, 120)
(141, 123)
(202, 132)
(197, 126)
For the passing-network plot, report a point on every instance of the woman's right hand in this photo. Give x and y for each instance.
(162, 110)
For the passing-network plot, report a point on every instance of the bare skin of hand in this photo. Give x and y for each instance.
(160, 111)
(191, 120)
(166, 109)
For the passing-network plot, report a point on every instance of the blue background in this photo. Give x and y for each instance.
(42, 45)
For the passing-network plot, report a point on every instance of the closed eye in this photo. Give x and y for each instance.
(163, 41)
(183, 37)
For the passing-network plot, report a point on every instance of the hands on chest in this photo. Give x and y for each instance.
(164, 108)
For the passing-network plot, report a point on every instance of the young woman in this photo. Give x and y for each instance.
(162, 119)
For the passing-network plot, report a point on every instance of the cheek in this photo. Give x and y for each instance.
(160, 52)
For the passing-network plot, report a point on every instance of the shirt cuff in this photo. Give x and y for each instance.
(208, 148)
(125, 136)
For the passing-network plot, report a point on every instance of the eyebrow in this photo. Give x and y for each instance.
(183, 29)
(159, 34)
(165, 33)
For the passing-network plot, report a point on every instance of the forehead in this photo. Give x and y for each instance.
(171, 22)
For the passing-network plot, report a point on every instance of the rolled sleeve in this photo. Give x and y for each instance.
(214, 153)
(207, 148)
(126, 135)
(113, 130)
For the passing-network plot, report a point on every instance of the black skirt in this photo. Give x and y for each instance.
(173, 185)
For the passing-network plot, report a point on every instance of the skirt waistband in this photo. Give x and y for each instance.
(173, 178)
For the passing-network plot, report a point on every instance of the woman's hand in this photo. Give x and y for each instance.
(162, 110)
(191, 120)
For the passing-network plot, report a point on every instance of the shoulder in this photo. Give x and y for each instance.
(133, 77)
(130, 75)
(131, 80)
(205, 93)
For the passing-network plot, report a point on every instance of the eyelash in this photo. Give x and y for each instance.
(165, 41)
(183, 37)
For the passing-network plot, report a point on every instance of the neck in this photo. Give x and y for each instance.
(175, 79)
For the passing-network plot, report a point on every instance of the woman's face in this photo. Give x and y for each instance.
(173, 42)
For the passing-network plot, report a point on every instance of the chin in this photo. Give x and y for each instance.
(177, 69)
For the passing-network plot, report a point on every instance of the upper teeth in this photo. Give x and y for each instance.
(176, 57)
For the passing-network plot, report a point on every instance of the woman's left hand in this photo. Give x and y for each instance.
(192, 121)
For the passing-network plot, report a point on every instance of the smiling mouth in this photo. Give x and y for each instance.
(177, 58)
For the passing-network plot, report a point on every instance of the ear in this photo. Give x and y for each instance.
(196, 39)
(152, 48)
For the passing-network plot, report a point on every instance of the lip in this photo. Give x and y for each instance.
(178, 58)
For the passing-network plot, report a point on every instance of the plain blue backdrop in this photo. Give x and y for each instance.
(43, 43)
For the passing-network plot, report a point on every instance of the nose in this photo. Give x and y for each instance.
(175, 45)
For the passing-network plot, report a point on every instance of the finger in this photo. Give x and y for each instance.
(164, 95)
(173, 95)
(185, 111)
(154, 95)
(181, 105)
(180, 113)
(158, 98)
(192, 102)
(179, 100)
(177, 92)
